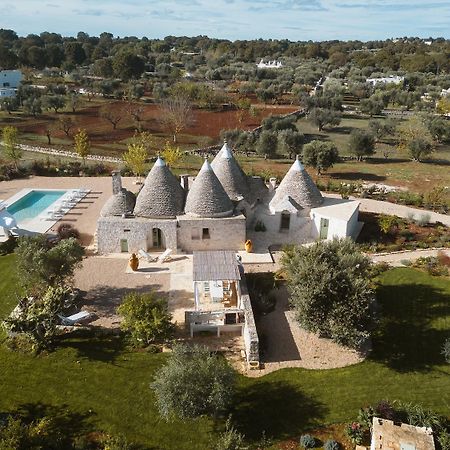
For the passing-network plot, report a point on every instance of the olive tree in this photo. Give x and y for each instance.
(330, 290)
(193, 382)
(322, 117)
(320, 155)
(361, 143)
(41, 263)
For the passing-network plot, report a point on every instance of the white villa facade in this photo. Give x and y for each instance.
(9, 82)
(219, 209)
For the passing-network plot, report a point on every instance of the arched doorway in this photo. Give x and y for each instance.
(157, 240)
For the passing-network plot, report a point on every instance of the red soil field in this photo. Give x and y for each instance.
(100, 131)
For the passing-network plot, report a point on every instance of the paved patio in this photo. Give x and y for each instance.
(106, 279)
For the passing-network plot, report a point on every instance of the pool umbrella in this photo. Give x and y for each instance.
(7, 221)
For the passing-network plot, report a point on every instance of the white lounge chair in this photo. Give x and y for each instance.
(165, 257)
(149, 258)
(74, 318)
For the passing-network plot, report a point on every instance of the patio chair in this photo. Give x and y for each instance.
(74, 318)
(165, 257)
(149, 258)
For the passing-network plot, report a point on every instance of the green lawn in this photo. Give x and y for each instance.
(106, 387)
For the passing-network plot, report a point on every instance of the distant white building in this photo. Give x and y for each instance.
(269, 65)
(386, 80)
(9, 82)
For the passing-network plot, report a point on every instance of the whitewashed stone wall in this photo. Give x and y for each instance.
(226, 233)
(138, 233)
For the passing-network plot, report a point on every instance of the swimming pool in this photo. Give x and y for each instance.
(33, 203)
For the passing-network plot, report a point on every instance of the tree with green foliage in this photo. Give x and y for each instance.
(361, 143)
(419, 147)
(416, 139)
(373, 106)
(330, 289)
(33, 106)
(439, 128)
(55, 102)
(9, 104)
(290, 142)
(267, 143)
(320, 155)
(322, 117)
(82, 144)
(145, 318)
(193, 382)
(382, 128)
(127, 65)
(41, 263)
(11, 147)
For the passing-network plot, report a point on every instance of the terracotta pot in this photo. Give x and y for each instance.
(133, 262)
(248, 246)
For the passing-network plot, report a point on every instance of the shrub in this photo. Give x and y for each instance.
(307, 441)
(66, 231)
(38, 318)
(116, 443)
(8, 246)
(386, 223)
(230, 439)
(385, 410)
(355, 432)
(193, 382)
(446, 350)
(444, 440)
(145, 318)
(331, 445)
(423, 220)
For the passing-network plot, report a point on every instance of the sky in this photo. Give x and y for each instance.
(232, 19)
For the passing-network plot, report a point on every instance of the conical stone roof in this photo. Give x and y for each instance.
(298, 185)
(230, 174)
(118, 204)
(207, 197)
(162, 195)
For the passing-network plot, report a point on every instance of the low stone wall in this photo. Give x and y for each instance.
(251, 340)
(67, 154)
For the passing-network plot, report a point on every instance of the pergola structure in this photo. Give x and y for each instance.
(216, 277)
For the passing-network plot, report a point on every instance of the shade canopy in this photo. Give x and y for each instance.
(215, 266)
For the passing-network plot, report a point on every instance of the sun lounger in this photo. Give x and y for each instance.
(165, 257)
(74, 318)
(149, 258)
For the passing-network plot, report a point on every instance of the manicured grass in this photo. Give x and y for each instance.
(106, 387)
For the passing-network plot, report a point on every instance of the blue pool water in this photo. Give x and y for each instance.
(33, 203)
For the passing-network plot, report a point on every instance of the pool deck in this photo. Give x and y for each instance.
(85, 214)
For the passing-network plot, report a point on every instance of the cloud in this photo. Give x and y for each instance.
(391, 6)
